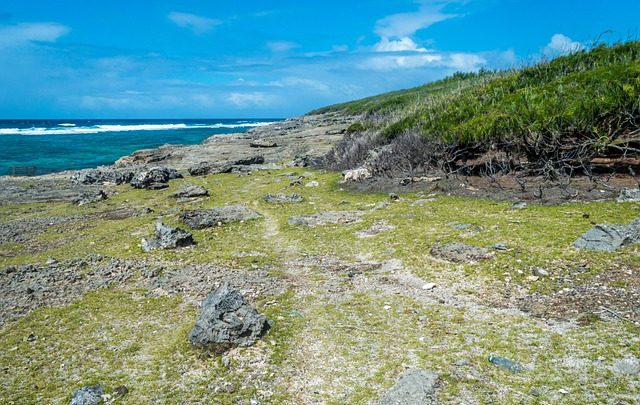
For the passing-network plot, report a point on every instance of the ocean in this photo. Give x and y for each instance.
(29, 147)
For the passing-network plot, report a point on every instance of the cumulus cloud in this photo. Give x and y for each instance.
(403, 44)
(451, 61)
(281, 46)
(297, 82)
(561, 45)
(25, 33)
(253, 99)
(198, 24)
(406, 24)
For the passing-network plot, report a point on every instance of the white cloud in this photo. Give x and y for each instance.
(198, 24)
(254, 99)
(401, 45)
(298, 82)
(400, 62)
(22, 34)
(561, 45)
(281, 46)
(465, 61)
(405, 24)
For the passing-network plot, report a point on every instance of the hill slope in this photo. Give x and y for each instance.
(577, 113)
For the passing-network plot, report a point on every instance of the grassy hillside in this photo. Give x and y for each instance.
(565, 112)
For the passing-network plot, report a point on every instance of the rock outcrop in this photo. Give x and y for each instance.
(188, 190)
(283, 198)
(167, 237)
(154, 178)
(460, 253)
(413, 387)
(91, 395)
(609, 238)
(227, 320)
(102, 176)
(200, 219)
(89, 198)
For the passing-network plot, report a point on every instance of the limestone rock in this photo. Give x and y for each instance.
(460, 253)
(89, 395)
(167, 237)
(609, 238)
(188, 190)
(414, 387)
(200, 219)
(102, 175)
(89, 198)
(327, 217)
(263, 143)
(629, 195)
(155, 178)
(227, 320)
(283, 198)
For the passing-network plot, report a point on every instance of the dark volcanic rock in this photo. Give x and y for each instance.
(205, 168)
(89, 198)
(167, 237)
(155, 178)
(87, 395)
(104, 175)
(283, 198)
(414, 387)
(263, 143)
(460, 253)
(218, 216)
(188, 190)
(227, 320)
(609, 238)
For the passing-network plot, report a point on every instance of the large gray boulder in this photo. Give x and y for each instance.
(609, 238)
(90, 395)
(167, 237)
(155, 178)
(200, 219)
(188, 190)
(103, 175)
(89, 198)
(414, 387)
(227, 320)
(629, 195)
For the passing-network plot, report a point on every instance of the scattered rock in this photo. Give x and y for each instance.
(51, 261)
(411, 180)
(520, 205)
(422, 202)
(312, 184)
(103, 175)
(460, 253)
(283, 198)
(609, 237)
(188, 190)
(327, 217)
(500, 246)
(155, 178)
(89, 198)
(254, 160)
(629, 195)
(462, 363)
(505, 363)
(205, 168)
(414, 387)
(227, 320)
(120, 391)
(394, 197)
(429, 286)
(627, 366)
(375, 229)
(458, 226)
(357, 174)
(200, 219)
(540, 272)
(89, 395)
(263, 143)
(167, 237)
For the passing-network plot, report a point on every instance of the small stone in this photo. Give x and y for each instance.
(540, 272)
(167, 237)
(505, 363)
(188, 190)
(429, 286)
(535, 392)
(90, 395)
(500, 246)
(563, 391)
(627, 366)
(462, 363)
(387, 307)
(121, 391)
(413, 387)
(32, 338)
(312, 184)
(394, 197)
(51, 261)
(520, 205)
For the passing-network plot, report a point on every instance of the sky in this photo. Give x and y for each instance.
(259, 59)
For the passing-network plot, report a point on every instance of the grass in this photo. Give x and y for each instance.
(583, 103)
(333, 342)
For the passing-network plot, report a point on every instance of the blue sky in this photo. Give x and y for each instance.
(190, 59)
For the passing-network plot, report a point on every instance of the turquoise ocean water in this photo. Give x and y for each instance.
(47, 146)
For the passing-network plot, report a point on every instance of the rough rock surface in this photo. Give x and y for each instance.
(629, 195)
(154, 178)
(283, 198)
(327, 217)
(103, 175)
(460, 253)
(627, 366)
(609, 237)
(414, 387)
(188, 190)
(375, 229)
(205, 168)
(263, 143)
(227, 320)
(90, 395)
(218, 216)
(167, 237)
(89, 198)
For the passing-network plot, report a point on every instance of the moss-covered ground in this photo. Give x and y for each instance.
(353, 315)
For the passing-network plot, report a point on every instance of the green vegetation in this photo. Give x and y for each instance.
(337, 338)
(565, 111)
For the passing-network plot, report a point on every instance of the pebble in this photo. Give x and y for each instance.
(429, 286)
